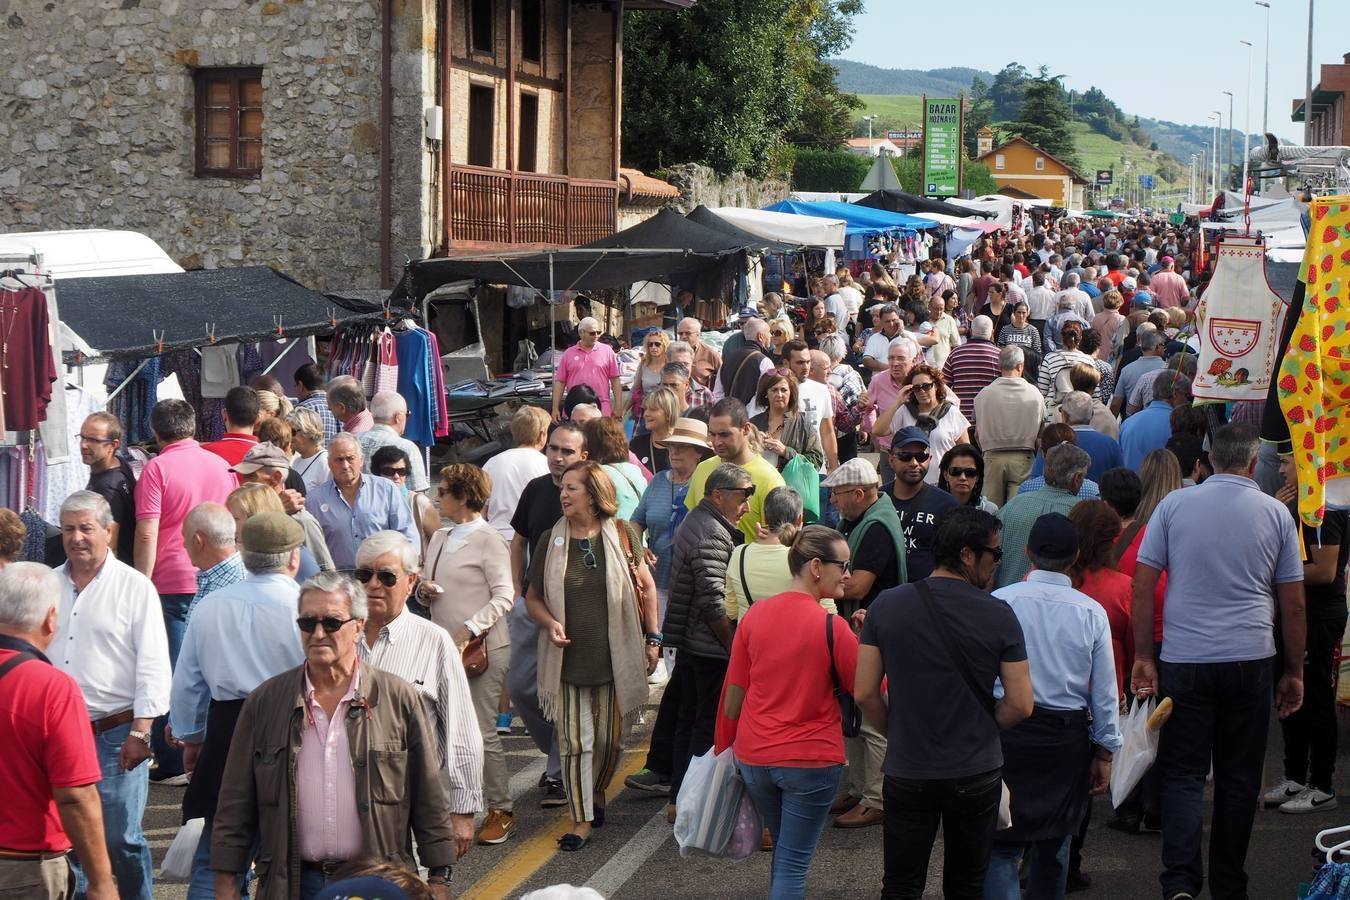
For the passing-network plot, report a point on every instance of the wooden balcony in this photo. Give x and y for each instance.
(493, 206)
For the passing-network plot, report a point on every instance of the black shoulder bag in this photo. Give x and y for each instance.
(849, 714)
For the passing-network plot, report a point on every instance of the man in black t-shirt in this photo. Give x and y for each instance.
(919, 504)
(536, 513)
(944, 759)
(1310, 734)
(111, 477)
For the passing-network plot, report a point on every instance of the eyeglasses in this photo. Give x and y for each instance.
(654, 346)
(777, 332)
(911, 456)
(962, 472)
(926, 386)
(749, 490)
(330, 624)
(96, 440)
(391, 472)
(387, 578)
(996, 552)
(845, 564)
(588, 553)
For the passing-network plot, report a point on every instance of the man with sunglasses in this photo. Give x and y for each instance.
(344, 758)
(423, 654)
(590, 362)
(919, 505)
(111, 478)
(238, 637)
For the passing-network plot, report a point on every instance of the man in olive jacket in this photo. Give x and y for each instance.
(331, 761)
(696, 623)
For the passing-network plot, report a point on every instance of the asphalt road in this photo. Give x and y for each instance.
(634, 855)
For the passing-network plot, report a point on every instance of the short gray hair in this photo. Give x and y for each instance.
(1151, 339)
(1077, 406)
(754, 327)
(1071, 280)
(1233, 447)
(388, 541)
(1169, 383)
(690, 320)
(307, 423)
(337, 583)
(346, 437)
(28, 592)
(678, 347)
(675, 368)
(833, 346)
(88, 501)
(982, 327)
(263, 563)
(1063, 463)
(1010, 357)
(588, 320)
(385, 405)
(903, 342)
(726, 476)
(347, 394)
(212, 521)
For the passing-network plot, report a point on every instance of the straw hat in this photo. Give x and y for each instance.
(688, 431)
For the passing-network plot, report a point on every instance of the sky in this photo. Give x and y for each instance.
(1178, 75)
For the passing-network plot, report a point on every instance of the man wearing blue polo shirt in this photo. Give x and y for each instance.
(1149, 429)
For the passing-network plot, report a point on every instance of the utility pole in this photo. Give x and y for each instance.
(1247, 118)
(1217, 116)
(1228, 169)
(1307, 84)
(1265, 102)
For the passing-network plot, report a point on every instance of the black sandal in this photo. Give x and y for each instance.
(570, 843)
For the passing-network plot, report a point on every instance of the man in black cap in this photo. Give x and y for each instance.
(1060, 754)
(919, 504)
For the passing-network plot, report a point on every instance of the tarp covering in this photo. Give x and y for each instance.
(804, 231)
(901, 202)
(119, 316)
(710, 219)
(666, 248)
(859, 219)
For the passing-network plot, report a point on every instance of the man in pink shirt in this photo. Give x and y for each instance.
(172, 484)
(1169, 288)
(885, 387)
(590, 363)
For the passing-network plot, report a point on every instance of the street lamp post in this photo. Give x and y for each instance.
(1307, 83)
(1214, 147)
(1247, 115)
(1265, 100)
(1228, 169)
(869, 120)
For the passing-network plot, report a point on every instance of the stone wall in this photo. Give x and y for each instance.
(699, 184)
(97, 119)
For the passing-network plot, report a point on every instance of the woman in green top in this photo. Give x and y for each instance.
(760, 569)
(593, 667)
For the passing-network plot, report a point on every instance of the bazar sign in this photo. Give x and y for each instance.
(942, 147)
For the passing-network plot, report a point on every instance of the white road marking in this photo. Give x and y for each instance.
(625, 863)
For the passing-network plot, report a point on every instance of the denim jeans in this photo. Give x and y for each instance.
(1221, 712)
(1047, 869)
(967, 809)
(170, 759)
(794, 803)
(311, 882)
(122, 795)
(202, 885)
(522, 681)
(829, 516)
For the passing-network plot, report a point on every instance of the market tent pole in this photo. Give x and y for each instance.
(552, 314)
(273, 364)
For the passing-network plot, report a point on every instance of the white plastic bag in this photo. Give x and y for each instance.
(708, 805)
(1137, 752)
(177, 865)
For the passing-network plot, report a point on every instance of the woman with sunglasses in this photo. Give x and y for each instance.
(962, 476)
(780, 714)
(592, 667)
(392, 463)
(647, 378)
(923, 401)
(780, 332)
(784, 432)
(470, 557)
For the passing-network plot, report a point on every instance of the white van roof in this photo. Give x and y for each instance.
(88, 252)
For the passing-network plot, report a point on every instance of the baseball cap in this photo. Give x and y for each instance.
(264, 453)
(271, 532)
(857, 472)
(1167, 260)
(911, 434)
(1128, 284)
(1053, 536)
(749, 312)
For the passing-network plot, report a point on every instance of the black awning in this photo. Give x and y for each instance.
(121, 316)
(899, 201)
(667, 248)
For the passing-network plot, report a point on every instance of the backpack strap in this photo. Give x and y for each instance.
(15, 661)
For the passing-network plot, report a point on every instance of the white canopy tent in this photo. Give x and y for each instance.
(806, 231)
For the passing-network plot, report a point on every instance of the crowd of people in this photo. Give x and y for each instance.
(322, 641)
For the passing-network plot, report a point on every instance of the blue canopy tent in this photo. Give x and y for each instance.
(861, 222)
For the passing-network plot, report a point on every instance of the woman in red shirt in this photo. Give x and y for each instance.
(780, 714)
(1098, 527)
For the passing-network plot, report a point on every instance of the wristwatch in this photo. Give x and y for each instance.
(140, 736)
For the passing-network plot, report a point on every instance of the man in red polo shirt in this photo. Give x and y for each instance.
(50, 770)
(241, 415)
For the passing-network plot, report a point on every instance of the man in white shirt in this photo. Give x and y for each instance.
(835, 305)
(110, 638)
(1040, 300)
(878, 345)
(512, 469)
(424, 655)
(813, 401)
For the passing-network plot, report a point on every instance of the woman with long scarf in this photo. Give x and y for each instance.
(586, 577)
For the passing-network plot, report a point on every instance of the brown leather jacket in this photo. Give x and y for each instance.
(400, 786)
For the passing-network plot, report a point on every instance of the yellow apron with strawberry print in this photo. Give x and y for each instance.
(1314, 378)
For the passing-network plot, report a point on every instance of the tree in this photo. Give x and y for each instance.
(979, 114)
(1007, 91)
(1044, 117)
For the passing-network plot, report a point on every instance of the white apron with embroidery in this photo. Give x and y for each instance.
(1239, 320)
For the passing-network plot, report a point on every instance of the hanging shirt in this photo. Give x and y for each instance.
(27, 366)
(415, 384)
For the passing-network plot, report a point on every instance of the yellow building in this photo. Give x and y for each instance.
(1019, 164)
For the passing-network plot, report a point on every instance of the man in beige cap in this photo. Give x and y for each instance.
(266, 463)
(238, 637)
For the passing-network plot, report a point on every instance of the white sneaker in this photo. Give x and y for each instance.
(1309, 800)
(660, 675)
(1283, 792)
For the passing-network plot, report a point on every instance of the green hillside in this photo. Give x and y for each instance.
(1095, 151)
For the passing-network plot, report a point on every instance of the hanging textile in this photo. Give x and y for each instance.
(132, 406)
(442, 428)
(386, 366)
(27, 365)
(1240, 319)
(416, 384)
(71, 475)
(1314, 376)
(220, 371)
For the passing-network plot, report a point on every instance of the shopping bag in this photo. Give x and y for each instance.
(707, 809)
(1138, 750)
(748, 834)
(177, 865)
(804, 478)
(1331, 883)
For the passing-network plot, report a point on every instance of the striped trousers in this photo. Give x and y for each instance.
(589, 742)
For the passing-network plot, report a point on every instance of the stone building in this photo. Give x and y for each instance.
(332, 139)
